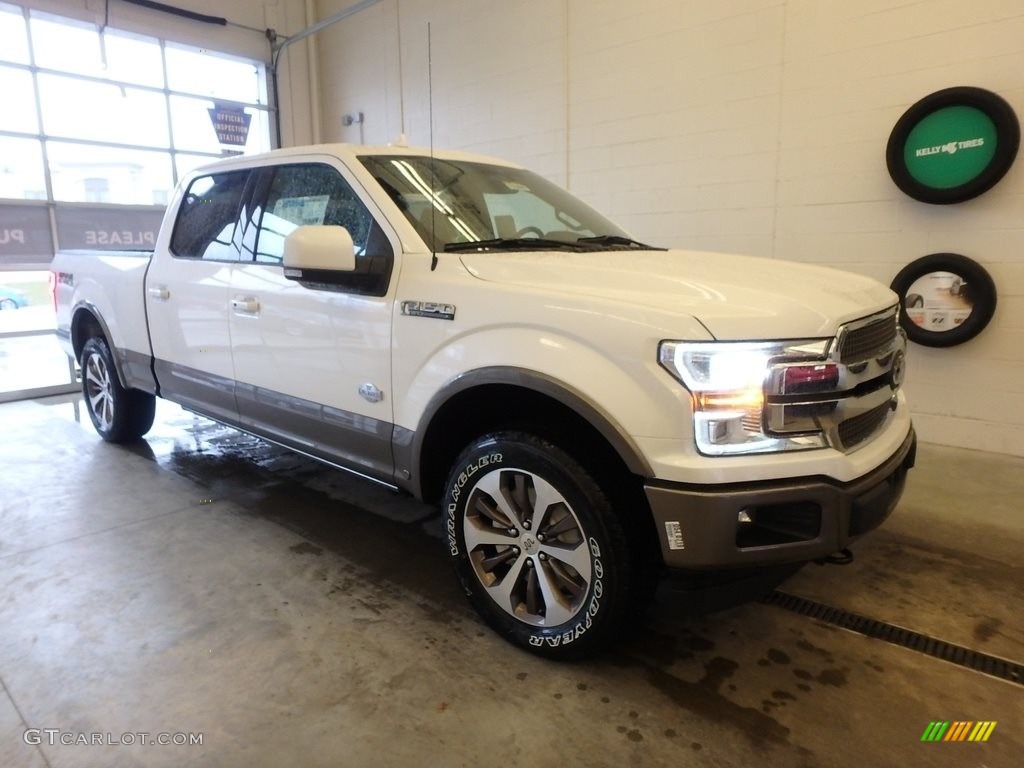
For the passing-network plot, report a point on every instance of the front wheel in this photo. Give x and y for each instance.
(536, 545)
(119, 415)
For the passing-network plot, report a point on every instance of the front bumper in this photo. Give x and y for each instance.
(793, 520)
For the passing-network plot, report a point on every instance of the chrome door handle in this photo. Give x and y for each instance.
(161, 293)
(246, 304)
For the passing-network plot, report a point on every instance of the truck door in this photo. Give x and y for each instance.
(187, 296)
(312, 361)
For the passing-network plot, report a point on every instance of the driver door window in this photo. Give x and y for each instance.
(315, 194)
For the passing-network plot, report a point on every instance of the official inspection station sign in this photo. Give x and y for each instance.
(230, 123)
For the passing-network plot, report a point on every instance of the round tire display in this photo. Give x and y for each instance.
(536, 545)
(953, 145)
(945, 299)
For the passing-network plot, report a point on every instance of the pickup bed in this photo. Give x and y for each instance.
(586, 410)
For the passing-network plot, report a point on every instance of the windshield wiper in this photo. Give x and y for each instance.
(514, 244)
(628, 242)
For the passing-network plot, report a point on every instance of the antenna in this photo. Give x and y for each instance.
(433, 169)
(401, 74)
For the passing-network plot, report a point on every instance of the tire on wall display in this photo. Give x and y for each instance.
(953, 145)
(945, 299)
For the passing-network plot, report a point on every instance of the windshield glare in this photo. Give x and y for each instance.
(450, 202)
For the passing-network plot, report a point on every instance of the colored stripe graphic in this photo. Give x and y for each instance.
(982, 731)
(958, 730)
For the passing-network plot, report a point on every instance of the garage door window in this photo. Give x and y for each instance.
(12, 32)
(114, 110)
(97, 125)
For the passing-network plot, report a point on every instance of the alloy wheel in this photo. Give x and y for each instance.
(527, 547)
(98, 391)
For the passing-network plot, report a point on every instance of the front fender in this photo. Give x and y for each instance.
(565, 394)
(622, 397)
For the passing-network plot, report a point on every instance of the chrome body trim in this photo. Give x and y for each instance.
(858, 388)
(196, 390)
(256, 432)
(847, 329)
(343, 437)
(350, 441)
(824, 415)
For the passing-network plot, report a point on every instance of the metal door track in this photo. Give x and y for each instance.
(906, 638)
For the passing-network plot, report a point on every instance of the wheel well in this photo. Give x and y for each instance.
(495, 407)
(84, 326)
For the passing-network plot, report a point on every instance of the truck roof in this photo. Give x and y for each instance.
(351, 152)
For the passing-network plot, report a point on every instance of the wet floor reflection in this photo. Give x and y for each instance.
(388, 536)
(310, 498)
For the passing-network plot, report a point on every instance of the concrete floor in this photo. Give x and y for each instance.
(206, 582)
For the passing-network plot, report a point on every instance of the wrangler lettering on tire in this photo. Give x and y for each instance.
(536, 545)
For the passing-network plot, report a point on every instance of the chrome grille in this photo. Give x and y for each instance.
(859, 428)
(858, 343)
(844, 397)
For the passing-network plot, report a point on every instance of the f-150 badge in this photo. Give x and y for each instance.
(429, 309)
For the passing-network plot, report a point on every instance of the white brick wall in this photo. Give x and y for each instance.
(756, 126)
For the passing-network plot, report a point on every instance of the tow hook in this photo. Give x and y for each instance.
(842, 557)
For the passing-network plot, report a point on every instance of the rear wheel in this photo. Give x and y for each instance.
(119, 415)
(8, 304)
(536, 545)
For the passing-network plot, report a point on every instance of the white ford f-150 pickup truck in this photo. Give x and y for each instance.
(586, 409)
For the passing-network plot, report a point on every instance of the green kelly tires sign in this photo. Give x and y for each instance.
(953, 145)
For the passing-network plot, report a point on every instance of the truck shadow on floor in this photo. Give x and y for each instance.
(390, 536)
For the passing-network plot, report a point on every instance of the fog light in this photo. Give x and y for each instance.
(744, 517)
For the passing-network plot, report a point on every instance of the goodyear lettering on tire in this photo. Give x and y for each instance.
(574, 633)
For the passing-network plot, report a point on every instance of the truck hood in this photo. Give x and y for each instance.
(735, 297)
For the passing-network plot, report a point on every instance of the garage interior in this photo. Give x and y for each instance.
(205, 581)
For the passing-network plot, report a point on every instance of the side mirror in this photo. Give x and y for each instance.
(315, 252)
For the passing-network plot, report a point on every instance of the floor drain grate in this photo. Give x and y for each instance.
(890, 633)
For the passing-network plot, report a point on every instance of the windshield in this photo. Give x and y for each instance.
(456, 205)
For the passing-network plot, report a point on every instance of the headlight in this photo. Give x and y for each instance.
(727, 383)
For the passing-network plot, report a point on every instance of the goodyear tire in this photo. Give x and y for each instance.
(119, 415)
(536, 545)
